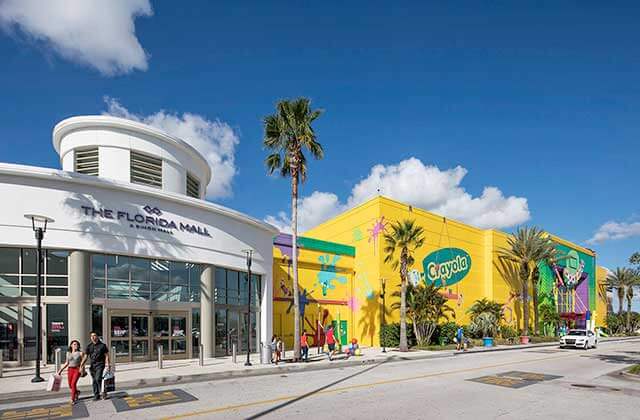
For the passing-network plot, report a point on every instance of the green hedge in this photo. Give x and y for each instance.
(390, 335)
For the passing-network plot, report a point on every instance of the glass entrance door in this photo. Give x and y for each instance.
(119, 327)
(9, 333)
(170, 331)
(139, 337)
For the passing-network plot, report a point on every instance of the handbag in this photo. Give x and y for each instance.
(53, 385)
(108, 382)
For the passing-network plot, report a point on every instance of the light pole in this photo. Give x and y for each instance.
(39, 225)
(249, 253)
(383, 284)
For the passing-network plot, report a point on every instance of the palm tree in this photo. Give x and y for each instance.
(485, 305)
(286, 134)
(426, 306)
(618, 280)
(404, 237)
(549, 256)
(527, 247)
(633, 281)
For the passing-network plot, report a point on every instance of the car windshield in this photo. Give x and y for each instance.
(577, 332)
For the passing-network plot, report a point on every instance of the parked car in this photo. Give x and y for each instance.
(583, 339)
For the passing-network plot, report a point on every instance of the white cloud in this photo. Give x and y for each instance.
(97, 33)
(420, 185)
(615, 230)
(215, 140)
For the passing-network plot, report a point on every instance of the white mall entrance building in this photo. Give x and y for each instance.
(134, 253)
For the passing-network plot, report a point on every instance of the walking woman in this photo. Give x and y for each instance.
(74, 358)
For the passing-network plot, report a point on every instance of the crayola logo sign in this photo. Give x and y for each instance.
(446, 266)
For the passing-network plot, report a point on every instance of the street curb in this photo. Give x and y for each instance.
(25, 396)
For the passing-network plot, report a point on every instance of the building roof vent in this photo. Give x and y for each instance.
(146, 170)
(86, 161)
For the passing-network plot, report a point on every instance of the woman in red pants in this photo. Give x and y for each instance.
(74, 357)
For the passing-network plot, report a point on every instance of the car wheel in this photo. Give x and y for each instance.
(595, 344)
(586, 345)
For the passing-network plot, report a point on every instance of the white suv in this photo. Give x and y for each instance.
(579, 339)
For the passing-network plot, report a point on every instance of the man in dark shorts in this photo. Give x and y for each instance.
(98, 355)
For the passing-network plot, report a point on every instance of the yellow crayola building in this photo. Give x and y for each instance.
(342, 270)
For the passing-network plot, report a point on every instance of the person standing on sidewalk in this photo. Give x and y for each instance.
(331, 341)
(459, 338)
(304, 346)
(98, 355)
(74, 360)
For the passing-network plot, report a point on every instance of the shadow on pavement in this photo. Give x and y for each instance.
(315, 391)
(617, 358)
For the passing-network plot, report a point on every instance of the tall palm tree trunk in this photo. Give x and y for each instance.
(620, 292)
(629, 299)
(404, 346)
(294, 257)
(524, 273)
(536, 313)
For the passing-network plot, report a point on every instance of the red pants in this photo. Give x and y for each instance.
(73, 376)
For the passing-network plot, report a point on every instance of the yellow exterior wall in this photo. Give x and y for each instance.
(602, 304)
(358, 227)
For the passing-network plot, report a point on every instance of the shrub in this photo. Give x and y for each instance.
(485, 324)
(444, 333)
(390, 335)
(508, 332)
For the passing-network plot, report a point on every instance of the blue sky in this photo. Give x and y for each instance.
(430, 103)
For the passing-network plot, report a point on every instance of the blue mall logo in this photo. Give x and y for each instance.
(154, 222)
(446, 266)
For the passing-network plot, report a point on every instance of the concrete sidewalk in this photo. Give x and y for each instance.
(15, 385)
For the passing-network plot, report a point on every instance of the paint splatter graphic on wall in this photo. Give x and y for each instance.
(376, 230)
(357, 235)
(327, 274)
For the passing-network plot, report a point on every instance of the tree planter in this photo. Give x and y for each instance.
(487, 341)
(524, 339)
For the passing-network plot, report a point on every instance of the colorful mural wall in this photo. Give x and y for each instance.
(460, 258)
(325, 278)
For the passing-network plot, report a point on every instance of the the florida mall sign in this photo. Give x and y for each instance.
(150, 218)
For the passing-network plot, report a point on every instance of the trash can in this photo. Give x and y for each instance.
(265, 354)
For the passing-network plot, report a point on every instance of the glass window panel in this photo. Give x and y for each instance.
(160, 271)
(139, 269)
(256, 290)
(178, 326)
(160, 326)
(57, 262)
(244, 289)
(139, 326)
(97, 265)
(221, 332)
(180, 273)
(233, 297)
(56, 281)
(119, 326)
(122, 347)
(117, 267)
(10, 260)
(118, 289)
(29, 259)
(194, 293)
(29, 331)
(99, 283)
(57, 329)
(178, 346)
(99, 293)
(57, 291)
(28, 291)
(6, 280)
(140, 348)
(96, 319)
(221, 278)
(29, 280)
(9, 291)
(195, 331)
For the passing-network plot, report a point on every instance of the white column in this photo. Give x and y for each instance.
(79, 296)
(207, 311)
(266, 308)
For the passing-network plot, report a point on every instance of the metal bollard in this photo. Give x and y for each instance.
(1, 362)
(201, 355)
(160, 356)
(234, 352)
(112, 359)
(58, 358)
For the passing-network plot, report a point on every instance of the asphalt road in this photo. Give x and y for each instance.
(525, 384)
